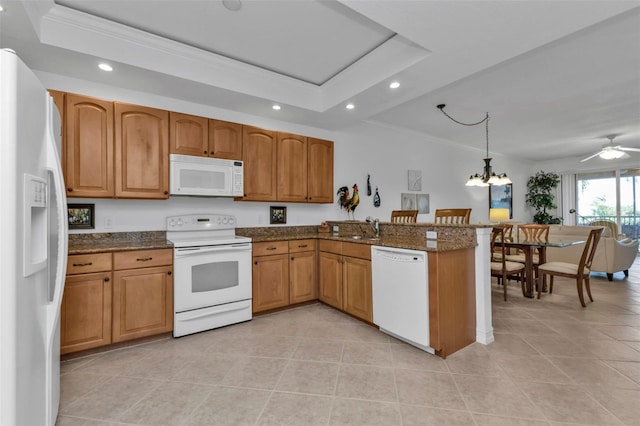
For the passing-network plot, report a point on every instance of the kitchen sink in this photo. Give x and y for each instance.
(361, 237)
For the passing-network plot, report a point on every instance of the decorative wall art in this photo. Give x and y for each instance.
(408, 201)
(415, 180)
(278, 214)
(422, 203)
(81, 216)
(501, 197)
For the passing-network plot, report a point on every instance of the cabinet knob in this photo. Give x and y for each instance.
(83, 264)
(169, 273)
(70, 189)
(205, 151)
(166, 192)
(271, 248)
(255, 263)
(292, 258)
(144, 259)
(106, 279)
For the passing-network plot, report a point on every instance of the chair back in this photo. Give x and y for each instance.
(497, 248)
(455, 216)
(404, 216)
(534, 232)
(612, 227)
(508, 230)
(589, 250)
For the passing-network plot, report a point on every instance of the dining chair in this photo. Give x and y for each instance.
(579, 272)
(501, 268)
(453, 216)
(507, 235)
(531, 232)
(404, 216)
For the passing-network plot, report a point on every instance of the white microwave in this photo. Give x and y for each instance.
(206, 177)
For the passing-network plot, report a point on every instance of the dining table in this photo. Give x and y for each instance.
(529, 247)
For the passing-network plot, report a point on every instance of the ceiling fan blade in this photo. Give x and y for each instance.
(590, 157)
(629, 149)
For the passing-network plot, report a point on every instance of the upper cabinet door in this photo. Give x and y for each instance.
(292, 167)
(259, 156)
(320, 171)
(188, 134)
(225, 140)
(89, 152)
(142, 147)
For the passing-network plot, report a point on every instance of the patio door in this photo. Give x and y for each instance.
(612, 195)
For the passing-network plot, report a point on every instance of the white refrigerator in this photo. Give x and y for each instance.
(33, 247)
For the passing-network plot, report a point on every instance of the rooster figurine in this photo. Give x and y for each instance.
(347, 203)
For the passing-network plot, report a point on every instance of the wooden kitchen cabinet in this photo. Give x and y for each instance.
(319, 171)
(356, 282)
(85, 314)
(345, 277)
(270, 275)
(204, 137)
(188, 134)
(88, 147)
(452, 301)
(303, 285)
(141, 152)
(304, 169)
(225, 140)
(142, 294)
(291, 167)
(259, 155)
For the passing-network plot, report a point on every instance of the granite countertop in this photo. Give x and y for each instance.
(396, 240)
(117, 241)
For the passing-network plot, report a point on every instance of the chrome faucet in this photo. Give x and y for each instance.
(375, 225)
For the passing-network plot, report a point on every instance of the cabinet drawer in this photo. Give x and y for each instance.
(142, 258)
(330, 246)
(362, 251)
(296, 246)
(269, 248)
(86, 263)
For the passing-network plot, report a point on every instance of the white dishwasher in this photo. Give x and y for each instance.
(401, 294)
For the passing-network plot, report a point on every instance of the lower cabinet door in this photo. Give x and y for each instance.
(270, 281)
(85, 316)
(302, 277)
(142, 302)
(357, 299)
(330, 278)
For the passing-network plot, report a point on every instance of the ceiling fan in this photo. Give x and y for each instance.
(611, 151)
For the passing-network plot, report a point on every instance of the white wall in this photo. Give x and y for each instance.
(368, 148)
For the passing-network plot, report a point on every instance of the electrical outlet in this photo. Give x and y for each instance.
(336, 229)
(432, 235)
(432, 244)
(108, 222)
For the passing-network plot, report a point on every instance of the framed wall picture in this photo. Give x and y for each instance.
(278, 214)
(408, 201)
(81, 216)
(422, 203)
(501, 197)
(414, 180)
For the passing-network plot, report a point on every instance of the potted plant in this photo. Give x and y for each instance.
(539, 196)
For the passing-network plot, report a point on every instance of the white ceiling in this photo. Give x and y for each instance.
(556, 77)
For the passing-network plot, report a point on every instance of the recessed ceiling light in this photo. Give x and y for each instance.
(1, 9)
(276, 107)
(232, 5)
(350, 106)
(394, 85)
(105, 67)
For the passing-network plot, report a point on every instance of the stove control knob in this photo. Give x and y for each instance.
(224, 221)
(230, 221)
(179, 222)
(219, 221)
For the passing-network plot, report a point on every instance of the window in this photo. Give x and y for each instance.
(612, 195)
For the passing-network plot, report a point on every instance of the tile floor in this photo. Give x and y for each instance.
(553, 362)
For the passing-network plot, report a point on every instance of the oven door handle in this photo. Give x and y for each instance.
(187, 251)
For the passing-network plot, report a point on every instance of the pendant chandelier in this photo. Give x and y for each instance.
(487, 177)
